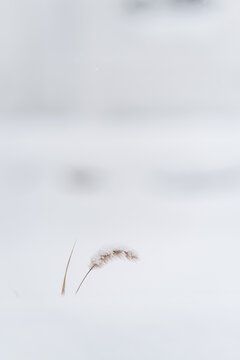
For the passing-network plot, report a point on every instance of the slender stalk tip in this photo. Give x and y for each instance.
(66, 271)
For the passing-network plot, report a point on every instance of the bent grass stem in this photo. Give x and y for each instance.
(84, 279)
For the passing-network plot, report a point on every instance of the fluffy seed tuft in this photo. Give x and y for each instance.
(103, 257)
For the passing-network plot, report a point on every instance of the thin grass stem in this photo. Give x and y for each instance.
(84, 279)
(66, 271)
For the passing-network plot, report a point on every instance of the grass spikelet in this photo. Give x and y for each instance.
(66, 270)
(103, 257)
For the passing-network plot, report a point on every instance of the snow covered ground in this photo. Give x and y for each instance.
(152, 163)
(170, 192)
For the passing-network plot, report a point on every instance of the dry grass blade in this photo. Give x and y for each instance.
(103, 257)
(66, 270)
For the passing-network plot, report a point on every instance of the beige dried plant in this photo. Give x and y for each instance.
(66, 271)
(103, 257)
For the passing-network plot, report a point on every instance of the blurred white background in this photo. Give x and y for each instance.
(119, 125)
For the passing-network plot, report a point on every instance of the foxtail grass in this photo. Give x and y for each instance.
(103, 257)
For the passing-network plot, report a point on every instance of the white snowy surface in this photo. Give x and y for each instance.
(169, 191)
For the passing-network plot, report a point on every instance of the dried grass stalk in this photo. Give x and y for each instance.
(66, 270)
(103, 257)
